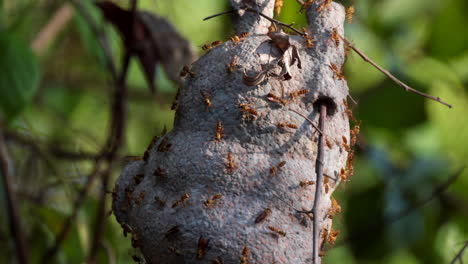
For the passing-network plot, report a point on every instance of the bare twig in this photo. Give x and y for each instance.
(12, 204)
(308, 120)
(56, 24)
(50, 253)
(261, 14)
(115, 139)
(459, 256)
(318, 186)
(389, 75)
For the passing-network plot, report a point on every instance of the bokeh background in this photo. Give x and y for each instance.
(55, 109)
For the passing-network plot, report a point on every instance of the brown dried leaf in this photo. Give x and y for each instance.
(155, 41)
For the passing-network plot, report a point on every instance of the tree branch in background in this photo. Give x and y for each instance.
(459, 256)
(389, 75)
(50, 31)
(116, 136)
(12, 203)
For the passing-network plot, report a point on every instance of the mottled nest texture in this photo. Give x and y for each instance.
(224, 184)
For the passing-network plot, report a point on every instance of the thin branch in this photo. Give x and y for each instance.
(308, 120)
(50, 253)
(300, 2)
(116, 136)
(459, 256)
(389, 75)
(12, 203)
(261, 14)
(50, 31)
(318, 185)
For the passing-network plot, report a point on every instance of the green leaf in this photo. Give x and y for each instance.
(19, 75)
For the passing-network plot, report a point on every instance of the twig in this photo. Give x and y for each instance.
(50, 253)
(300, 2)
(116, 135)
(459, 256)
(248, 9)
(306, 118)
(389, 75)
(56, 24)
(318, 185)
(12, 204)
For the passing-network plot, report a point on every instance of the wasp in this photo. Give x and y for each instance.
(164, 146)
(207, 47)
(244, 35)
(219, 131)
(343, 175)
(202, 246)
(235, 39)
(182, 199)
(306, 183)
(277, 230)
(175, 103)
(274, 170)
(349, 14)
(335, 208)
(231, 165)
(326, 184)
(137, 259)
(232, 65)
(335, 37)
(138, 178)
(129, 193)
(140, 198)
(126, 229)
(187, 70)
(346, 147)
(218, 260)
(332, 236)
(306, 5)
(211, 201)
(206, 99)
(150, 146)
(349, 165)
(160, 173)
(244, 258)
(323, 5)
(309, 41)
(286, 124)
(248, 108)
(354, 134)
(275, 98)
(263, 215)
(298, 93)
(328, 143)
(172, 231)
(160, 201)
(175, 251)
(338, 72)
(135, 241)
(278, 6)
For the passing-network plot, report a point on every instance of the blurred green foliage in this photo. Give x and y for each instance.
(61, 99)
